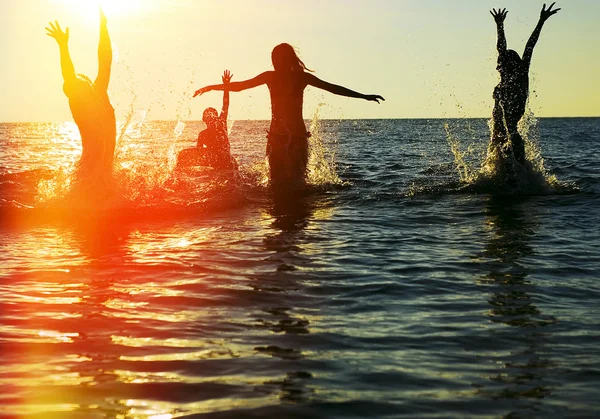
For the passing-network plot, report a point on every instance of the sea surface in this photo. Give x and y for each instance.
(402, 285)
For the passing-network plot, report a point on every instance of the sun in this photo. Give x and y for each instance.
(121, 7)
(112, 8)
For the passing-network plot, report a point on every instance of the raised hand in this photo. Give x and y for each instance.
(374, 98)
(54, 31)
(499, 15)
(546, 13)
(226, 76)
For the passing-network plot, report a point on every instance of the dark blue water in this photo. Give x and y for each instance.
(393, 290)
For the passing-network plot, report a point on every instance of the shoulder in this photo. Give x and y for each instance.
(78, 86)
(266, 77)
(310, 79)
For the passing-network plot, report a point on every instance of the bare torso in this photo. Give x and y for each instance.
(512, 91)
(287, 95)
(95, 118)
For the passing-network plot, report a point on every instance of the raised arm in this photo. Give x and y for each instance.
(62, 38)
(338, 90)
(226, 79)
(544, 16)
(105, 55)
(236, 86)
(499, 16)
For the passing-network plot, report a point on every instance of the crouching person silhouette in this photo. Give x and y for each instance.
(212, 148)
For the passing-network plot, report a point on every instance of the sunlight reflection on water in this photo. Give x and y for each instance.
(355, 301)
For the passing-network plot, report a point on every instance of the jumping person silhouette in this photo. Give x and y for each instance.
(287, 139)
(510, 95)
(89, 102)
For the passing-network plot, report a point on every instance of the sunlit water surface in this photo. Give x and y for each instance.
(395, 289)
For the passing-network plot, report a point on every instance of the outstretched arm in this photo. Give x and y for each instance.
(339, 90)
(544, 16)
(499, 16)
(226, 79)
(236, 86)
(105, 55)
(62, 38)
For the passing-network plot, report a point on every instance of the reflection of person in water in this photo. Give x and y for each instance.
(510, 95)
(89, 102)
(287, 146)
(212, 148)
(517, 330)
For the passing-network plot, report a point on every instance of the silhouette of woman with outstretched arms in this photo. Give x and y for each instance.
(89, 102)
(510, 95)
(287, 139)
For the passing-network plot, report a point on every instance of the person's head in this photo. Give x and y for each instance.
(210, 117)
(509, 62)
(81, 87)
(284, 58)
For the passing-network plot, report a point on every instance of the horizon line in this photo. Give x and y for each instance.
(320, 119)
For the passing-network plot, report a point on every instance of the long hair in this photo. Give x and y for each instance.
(285, 58)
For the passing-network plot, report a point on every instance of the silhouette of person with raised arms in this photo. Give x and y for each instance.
(510, 95)
(212, 148)
(89, 103)
(287, 139)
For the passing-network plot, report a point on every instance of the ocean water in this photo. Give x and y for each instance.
(403, 285)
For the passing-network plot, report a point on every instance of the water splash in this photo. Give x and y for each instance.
(464, 158)
(488, 169)
(321, 166)
(533, 150)
(321, 169)
(257, 173)
(143, 169)
(56, 186)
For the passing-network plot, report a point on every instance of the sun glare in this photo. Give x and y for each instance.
(112, 8)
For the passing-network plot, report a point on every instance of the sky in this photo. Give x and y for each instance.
(428, 58)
